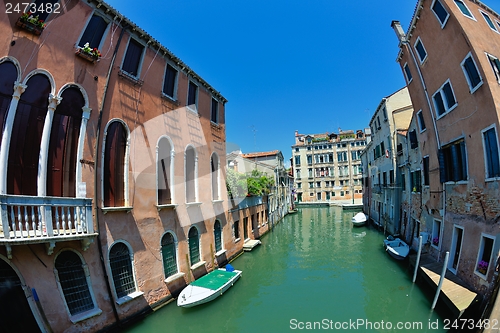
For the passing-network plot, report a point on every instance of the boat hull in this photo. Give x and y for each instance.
(194, 295)
(396, 248)
(359, 220)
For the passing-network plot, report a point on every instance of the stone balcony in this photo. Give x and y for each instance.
(48, 220)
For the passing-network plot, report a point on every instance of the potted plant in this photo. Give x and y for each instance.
(31, 23)
(482, 267)
(88, 53)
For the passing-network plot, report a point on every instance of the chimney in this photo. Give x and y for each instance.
(396, 25)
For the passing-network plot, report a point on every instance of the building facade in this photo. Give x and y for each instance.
(392, 115)
(108, 142)
(327, 167)
(449, 58)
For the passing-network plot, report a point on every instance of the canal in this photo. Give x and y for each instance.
(314, 270)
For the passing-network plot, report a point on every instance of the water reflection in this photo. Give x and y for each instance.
(313, 267)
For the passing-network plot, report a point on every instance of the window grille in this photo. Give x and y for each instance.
(121, 269)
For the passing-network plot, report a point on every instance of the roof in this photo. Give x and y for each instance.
(262, 154)
(125, 23)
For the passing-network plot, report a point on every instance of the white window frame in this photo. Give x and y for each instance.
(189, 107)
(137, 292)
(104, 34)
(471, 88)
(480, 254)
(141, 59)
(420, 115)
(493, 126)
(419, 41)
(454, 246)
(171, 174)
(489, 20)
(176, 83)
(494, 67)
(447, 16)
(471, 16)
(448, 109)
(406, 70)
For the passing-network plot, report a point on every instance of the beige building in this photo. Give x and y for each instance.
(450, 59)
(382, 188)
(327, 167)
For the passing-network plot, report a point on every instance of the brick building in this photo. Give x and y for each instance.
(449, 58)
(103, 156)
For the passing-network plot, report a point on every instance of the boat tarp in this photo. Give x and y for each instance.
(214, 280)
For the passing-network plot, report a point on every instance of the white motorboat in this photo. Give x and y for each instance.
(208, 287)
(396, 248)
(359, 219)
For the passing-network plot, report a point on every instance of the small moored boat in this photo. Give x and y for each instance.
(396, 248)
(208, 287)
(359, 219)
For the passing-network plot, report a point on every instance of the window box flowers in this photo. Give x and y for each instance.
(31, 23)
(88, 53)
(435, 241)
(482, 267)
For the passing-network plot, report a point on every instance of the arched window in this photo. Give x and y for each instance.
(169, 254)
(8, 75)
(163, 169)
(190, 174)
(26, 137)
(194, 245)
(73, 280)
(114, 165)
(63, 149)
(15, 312)
(218, 236)
(214, 163)
(121, 269)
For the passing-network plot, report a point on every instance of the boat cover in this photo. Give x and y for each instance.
(214, 280)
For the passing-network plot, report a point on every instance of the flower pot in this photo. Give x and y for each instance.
(87, 56)
(28, 26)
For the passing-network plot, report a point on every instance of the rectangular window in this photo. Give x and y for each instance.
(471, 73)
(440, 12)
(491, 154)
(214, 114)
(236, 228)
(422, 53)
(297, 160)
(169, 82)
(407, 73)
(421, 122)
(192, 100)
(413, 139)
(436, 233)
(416, 181)
(489, 21)
(425, 163)
(43, 8)
(94, 32)
(453, 162)
(133, 57)
(444, 99)
(463, 8)
(484, 258)
(495, 65)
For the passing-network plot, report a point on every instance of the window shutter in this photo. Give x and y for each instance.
(442, 169)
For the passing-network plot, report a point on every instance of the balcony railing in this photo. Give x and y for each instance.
(29, 220)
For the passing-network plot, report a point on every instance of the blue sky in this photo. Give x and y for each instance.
(284, 65)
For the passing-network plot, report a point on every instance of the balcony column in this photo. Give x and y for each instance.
(81, 141)
(19, 89)
(44, 145)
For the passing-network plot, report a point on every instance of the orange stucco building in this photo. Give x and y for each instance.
(115, 154)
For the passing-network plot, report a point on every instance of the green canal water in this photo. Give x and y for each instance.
(314, 271)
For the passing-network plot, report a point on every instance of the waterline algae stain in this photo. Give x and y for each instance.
(313, 272)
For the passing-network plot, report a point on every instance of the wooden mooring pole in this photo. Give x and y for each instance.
(417, 263)
(441, 279)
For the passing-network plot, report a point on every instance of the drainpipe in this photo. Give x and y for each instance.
(96, 163)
